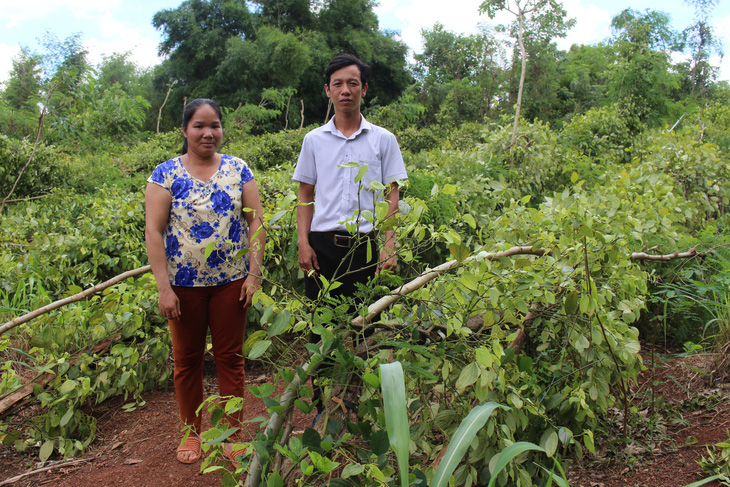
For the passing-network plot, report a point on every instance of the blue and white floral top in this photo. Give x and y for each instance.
(203, 212)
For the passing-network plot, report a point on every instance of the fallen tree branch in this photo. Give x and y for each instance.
(71, 299)
(666, 257)
(12, 480)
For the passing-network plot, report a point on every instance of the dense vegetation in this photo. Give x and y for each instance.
(596, 171)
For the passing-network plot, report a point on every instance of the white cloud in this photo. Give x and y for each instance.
(592, 24)
(460, 16)
(20, 12)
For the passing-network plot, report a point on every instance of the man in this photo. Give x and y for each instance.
(326, 247)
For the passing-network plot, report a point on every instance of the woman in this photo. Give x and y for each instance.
(197, 235)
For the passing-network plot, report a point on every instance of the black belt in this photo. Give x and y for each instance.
(344, 239)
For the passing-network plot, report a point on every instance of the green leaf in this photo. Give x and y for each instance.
(508, 454)
(46, 450)
(209, 249)
(67, 416)
(588, 441)
(352, 469)
(379, 442)
(281, 323)
(396, 415)
(223, 436)
(449, 189)
(361, 173)
(259, 349)
(469, 220)
(275, 480)
(461, 440)
(571, 303)
(277, 216)
(549, 441)
(252, 340)
(467, 377)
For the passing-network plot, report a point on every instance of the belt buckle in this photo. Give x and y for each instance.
(339, 239)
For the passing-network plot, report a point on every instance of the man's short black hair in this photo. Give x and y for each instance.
(342, 61)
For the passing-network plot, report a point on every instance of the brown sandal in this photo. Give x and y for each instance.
(192, 444)
(231, 454)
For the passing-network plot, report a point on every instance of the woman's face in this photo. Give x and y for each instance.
(203, 132)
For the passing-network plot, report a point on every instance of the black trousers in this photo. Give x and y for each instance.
(344, 258)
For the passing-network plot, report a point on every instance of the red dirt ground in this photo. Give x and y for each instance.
(138, 448)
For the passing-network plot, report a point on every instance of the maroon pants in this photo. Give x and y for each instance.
(219, 309)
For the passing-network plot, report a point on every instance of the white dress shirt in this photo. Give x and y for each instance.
(337, 199)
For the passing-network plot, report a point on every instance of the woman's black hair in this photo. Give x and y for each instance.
(342, 61)
(190, 110)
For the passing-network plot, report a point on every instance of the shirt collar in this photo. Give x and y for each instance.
(364, 125)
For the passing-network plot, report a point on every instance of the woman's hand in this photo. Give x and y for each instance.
(169, 304)
(251, 284)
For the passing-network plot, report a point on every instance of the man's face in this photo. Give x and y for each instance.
(346, 89)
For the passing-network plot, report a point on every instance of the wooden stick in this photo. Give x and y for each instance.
(71, 299)
(666, 257)
(12, 480)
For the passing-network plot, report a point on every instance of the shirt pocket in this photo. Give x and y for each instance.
(374, 173)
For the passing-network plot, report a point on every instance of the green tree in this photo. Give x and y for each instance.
(285, 15)
(641, 79)
(537, 22)
(19, 111)
(459, 75)
(700, 41)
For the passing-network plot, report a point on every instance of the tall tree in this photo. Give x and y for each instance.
(640, 79)
(19, 116)
(701, 42)
(542, 19)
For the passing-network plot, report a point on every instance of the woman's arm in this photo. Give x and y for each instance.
(254, 214)
(157, 211)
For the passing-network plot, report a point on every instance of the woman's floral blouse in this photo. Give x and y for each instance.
(203, 214)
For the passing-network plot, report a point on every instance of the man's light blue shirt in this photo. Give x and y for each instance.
(337, 197)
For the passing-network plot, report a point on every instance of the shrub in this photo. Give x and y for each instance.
(48, 169)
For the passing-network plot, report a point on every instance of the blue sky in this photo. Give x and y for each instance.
(110, 26)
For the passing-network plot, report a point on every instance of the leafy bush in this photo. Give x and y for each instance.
(48, 169)
(145, 156)
(268, 150)
(604, 134)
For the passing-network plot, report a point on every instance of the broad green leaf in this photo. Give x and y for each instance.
(508, 454)
(396, 415)
(361, 173)
(209, 249)
(259, 349)
(281, 323)
(469, 220)
(449, 189)
(467, 377)
(275, 480)
(549, 441)
(46, 450)
(461, 440)
(352, 469)
(276, 217)
(571, 303)
(588, 441)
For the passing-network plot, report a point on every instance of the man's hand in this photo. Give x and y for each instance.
(388, 258)
(308, 260)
